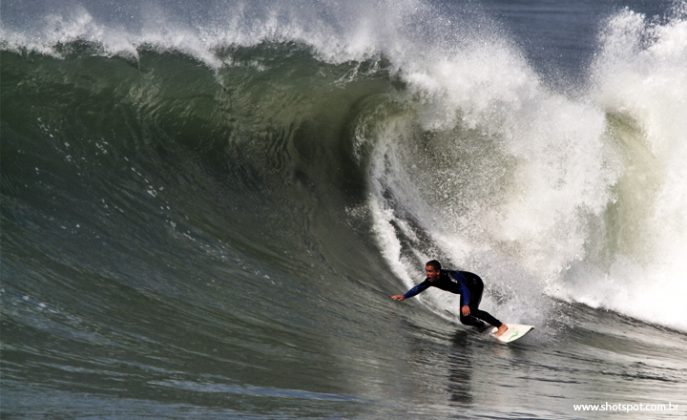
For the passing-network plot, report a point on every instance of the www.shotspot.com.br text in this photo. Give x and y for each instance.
(610, 407)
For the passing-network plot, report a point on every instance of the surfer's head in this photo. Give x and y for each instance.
(433, 269)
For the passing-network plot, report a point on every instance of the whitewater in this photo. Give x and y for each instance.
(205, 206)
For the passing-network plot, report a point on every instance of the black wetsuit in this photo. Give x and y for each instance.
(470, 288)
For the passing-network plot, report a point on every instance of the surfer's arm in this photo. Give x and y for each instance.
(465, 293)
(412, 292)
(460, 287)
(465, 298)
(416, 290)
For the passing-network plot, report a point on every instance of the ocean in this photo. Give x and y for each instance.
(205, 206)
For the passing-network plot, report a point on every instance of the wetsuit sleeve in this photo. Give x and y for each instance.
(464, 292)
(416, 290)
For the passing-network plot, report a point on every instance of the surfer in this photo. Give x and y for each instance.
(468, 285)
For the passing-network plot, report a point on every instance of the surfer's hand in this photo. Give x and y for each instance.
(465, 310)
(397, 297)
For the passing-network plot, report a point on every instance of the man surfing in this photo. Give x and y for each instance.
(468, 285)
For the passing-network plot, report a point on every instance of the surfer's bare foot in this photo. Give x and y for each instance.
(502, 329)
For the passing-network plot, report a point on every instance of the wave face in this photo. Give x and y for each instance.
(211, 199)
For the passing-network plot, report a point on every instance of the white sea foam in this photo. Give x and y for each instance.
(641, 74)
(588, 214)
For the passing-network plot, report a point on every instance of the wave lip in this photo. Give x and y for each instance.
(338, 32)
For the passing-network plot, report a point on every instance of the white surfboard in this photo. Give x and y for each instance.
(514, 332)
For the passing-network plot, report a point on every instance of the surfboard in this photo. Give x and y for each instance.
(514, 332)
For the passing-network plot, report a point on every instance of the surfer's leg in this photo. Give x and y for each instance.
(486, 316)
(473, 322)
(477, 288)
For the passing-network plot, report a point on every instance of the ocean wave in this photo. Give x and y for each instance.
(210, 136)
